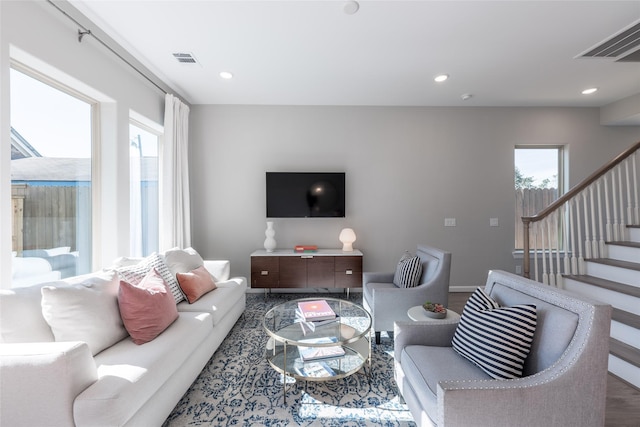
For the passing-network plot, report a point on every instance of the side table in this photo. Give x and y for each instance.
(417, 314)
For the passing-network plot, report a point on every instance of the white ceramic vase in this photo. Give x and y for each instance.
(270, 241)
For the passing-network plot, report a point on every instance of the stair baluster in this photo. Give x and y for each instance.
(605, 265)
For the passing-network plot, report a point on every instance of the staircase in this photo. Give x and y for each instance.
(595, 251)
(616, 280)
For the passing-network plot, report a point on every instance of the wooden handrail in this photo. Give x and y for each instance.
(527, 220)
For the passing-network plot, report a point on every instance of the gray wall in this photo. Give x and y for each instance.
(406, 169)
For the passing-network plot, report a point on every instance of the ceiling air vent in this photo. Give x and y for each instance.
(185, 58)
(622, 46)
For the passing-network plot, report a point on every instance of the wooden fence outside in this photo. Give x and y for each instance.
(47, 216)
(529, 202)
(50, 216)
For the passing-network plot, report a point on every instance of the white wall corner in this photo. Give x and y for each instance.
(625, 112)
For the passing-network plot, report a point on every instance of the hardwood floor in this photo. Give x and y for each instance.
(623, 400)
(623, 404)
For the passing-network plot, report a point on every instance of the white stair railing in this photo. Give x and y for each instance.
(576, 226)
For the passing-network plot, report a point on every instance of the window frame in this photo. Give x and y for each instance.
(96, 175)
(562, 176)
(157, 130)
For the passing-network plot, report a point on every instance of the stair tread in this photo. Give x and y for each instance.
(606, 284)
(625, 317)
(616, 263)
(626, 243)
(624, 351)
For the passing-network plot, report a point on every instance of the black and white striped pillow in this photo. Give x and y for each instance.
(497, 339)
(134, 274)
(408, 271)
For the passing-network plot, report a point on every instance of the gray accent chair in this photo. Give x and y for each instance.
(388, 303)
(564, 380)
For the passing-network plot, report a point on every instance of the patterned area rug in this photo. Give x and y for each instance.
(239, 388)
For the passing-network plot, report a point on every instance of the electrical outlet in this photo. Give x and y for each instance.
(493, 222)
(449, 222)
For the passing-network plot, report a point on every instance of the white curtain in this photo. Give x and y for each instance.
(175, 211)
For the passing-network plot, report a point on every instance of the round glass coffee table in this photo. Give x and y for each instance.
(332, 349)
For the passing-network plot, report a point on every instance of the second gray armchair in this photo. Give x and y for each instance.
(388, 302)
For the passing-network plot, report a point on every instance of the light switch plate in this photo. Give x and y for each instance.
(449, 222)
(493, 222)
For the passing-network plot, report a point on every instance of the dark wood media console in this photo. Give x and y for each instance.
(326, 268)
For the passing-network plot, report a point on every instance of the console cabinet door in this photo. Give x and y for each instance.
(264, 272)
(348, 271)
(306, 271)
(320, 272)
(293, 272)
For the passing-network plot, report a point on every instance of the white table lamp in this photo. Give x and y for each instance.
(347, 237)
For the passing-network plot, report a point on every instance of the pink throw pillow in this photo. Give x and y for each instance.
(196, 283)
(146, 309)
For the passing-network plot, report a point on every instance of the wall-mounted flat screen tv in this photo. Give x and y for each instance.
(305, 194)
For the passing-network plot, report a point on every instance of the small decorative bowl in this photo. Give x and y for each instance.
(434, 310)
(434, 315)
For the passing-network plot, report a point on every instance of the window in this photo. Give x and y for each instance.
(538, 182)
(143, 189)
(51, 179)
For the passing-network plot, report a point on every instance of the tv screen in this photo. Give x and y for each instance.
(305, 194)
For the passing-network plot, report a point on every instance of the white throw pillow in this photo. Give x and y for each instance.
(182, 260)
(21, 315)
(86, 311)
(124, 261)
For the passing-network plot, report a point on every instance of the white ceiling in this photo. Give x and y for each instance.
(504, 53)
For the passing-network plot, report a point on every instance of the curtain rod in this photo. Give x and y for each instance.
(87, 32)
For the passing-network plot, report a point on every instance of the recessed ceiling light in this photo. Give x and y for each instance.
(226, 75)
(441, 77)
(590, 91)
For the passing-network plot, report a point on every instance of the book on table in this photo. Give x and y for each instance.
(314, 353)
(316, 310)
(311, 326)
(315, 370)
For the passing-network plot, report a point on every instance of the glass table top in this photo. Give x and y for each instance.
(351, 324)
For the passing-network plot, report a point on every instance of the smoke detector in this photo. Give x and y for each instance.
(351, 7)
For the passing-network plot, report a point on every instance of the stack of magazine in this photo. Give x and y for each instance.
(311, 314)
(315, 310)
(314, 353)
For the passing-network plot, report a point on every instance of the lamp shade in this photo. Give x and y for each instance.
(347, 237)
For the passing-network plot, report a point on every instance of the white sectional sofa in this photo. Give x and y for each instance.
(49, 383)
